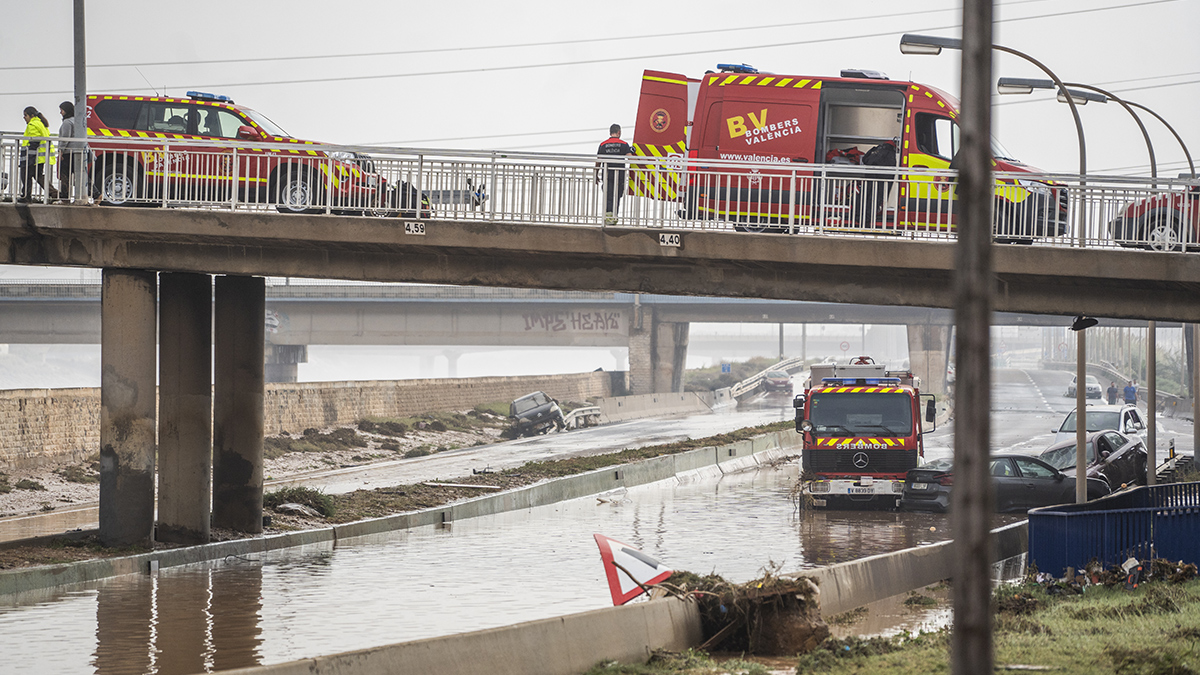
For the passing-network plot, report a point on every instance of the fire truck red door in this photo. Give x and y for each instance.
(661, 131)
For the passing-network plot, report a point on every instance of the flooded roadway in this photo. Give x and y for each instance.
(432, 581)
(474, 574)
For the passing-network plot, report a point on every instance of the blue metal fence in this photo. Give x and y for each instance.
(1162, 521)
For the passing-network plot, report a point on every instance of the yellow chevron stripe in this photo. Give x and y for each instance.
(731, 78)
(765, 81)
(662, 79)
(801, 84)
(817, 85)
(748, 79)
(784, 82)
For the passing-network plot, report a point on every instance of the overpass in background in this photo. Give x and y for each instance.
(305, 312)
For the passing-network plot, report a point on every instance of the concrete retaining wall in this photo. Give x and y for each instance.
(848, 585)
(566, 645)
(728, 458)
(40, 426)
(649, 405)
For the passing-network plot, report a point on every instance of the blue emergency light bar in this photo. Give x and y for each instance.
(736, 68)
(859, 381)
(204, 96)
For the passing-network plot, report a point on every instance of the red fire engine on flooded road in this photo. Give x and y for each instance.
(862, 427)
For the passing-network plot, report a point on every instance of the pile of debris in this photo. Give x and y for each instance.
(1131, 574)
(769, 616)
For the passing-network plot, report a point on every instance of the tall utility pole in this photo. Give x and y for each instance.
(971, 641)
(80, 188)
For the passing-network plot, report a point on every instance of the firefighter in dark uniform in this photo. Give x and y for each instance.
(614, 172)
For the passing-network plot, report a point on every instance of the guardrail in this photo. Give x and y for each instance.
(751, 383)
(671, 193)
(579, 418)
(1158, 521)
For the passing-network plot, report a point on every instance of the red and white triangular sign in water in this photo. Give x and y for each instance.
(620, 562)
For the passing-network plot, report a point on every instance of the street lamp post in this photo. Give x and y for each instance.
(932, 45)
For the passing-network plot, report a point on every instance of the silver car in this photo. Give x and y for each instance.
(1093, 389)
(1124, 418)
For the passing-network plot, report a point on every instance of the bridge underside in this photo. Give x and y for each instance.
(878, 271)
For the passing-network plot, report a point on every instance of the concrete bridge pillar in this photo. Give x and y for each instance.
(282, 364)
(928, 356)
(657, 353)
(128, 329)
(452, 357)
(238, 403)
(185, 408)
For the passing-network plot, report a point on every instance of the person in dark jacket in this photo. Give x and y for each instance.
(614, 172)
(67, 156)
(1112, 393)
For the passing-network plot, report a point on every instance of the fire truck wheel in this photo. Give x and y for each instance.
(1163, 235)
(117, 186)
(297, 194)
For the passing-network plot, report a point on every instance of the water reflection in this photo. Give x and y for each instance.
(178, 622)
(474, 574)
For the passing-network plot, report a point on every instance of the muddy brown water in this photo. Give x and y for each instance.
(427, 582)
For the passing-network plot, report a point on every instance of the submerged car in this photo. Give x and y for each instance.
(1092, 385)
(535, 413)
(777, 380)
(1113, 457)
(1123, 418)
(1019, 483)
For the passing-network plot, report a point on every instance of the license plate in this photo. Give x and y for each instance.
(920, 486)
(860, 490)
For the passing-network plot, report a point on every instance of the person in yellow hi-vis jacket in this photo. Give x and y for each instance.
(37, 153)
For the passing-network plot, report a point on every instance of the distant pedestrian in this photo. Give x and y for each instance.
(1131, 393)
(36, 153)
(1112, 393)
(69, 157)
(614, 172)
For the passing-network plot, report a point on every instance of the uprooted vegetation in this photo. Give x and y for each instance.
(306, 496)
(772, 615)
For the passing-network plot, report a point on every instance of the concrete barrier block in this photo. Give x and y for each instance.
(648, 471)
(564, 645)
(695, 459)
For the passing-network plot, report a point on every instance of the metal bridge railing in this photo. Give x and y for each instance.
(670, 193)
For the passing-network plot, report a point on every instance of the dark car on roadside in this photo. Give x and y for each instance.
(777, 380)
(1112, 456)
(1019, 483)
(535, 413)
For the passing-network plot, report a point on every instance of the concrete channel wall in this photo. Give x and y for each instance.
(40, 426)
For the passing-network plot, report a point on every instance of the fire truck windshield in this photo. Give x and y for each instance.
(857, 414)
(264, 123)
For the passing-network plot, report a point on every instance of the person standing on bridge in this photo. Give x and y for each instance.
(36, 152)
(1112, 393)
(614, 172)
(1131, 393)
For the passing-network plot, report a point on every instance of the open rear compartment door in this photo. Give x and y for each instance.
(664, 120)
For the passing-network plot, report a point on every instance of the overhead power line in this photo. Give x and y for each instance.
(614, 59)
(520, 45)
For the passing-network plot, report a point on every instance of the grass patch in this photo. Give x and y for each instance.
(316, 499)
(1147, 631)
(692, 661)
(79, 473)
(848, 618)
(312, 440)
(32, 485)
(417, 452)
(711, 379)
(5, 486)
(495, 408)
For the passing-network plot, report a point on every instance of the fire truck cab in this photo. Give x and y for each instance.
(862, 428)
(798, 123)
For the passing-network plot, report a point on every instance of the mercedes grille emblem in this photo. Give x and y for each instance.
(861, 459)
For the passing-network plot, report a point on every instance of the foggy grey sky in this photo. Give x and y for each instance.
(1145, 50)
